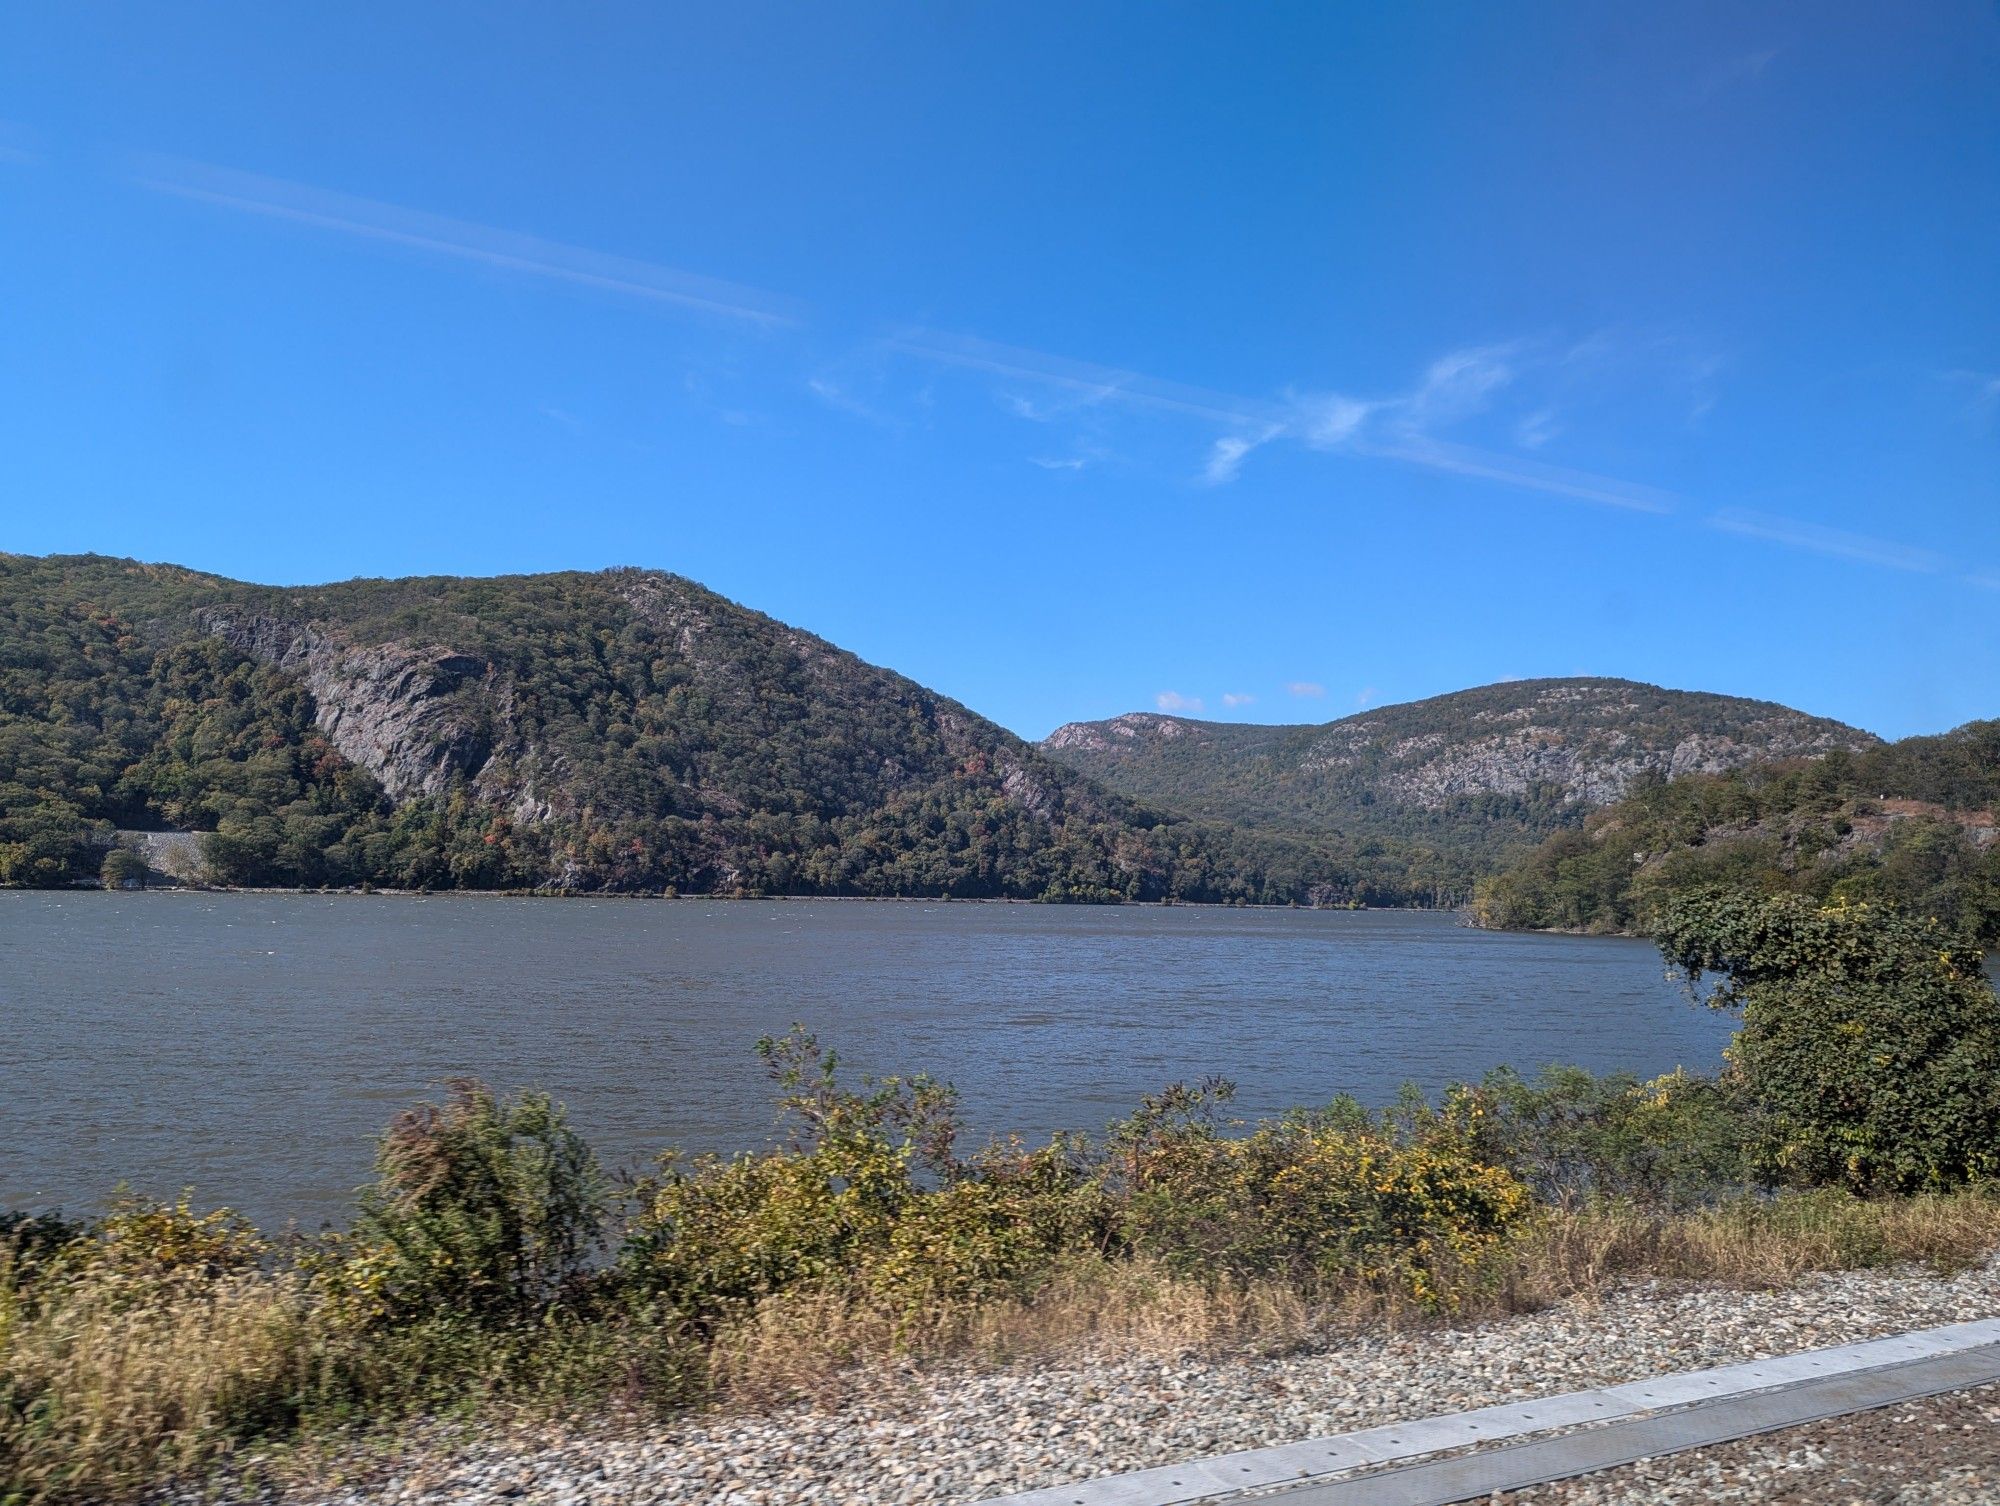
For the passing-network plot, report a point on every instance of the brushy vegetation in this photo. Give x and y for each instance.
(1870, 1044)
(1907, 826)
(493, 1265)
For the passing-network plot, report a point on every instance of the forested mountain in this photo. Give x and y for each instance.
(1450, 786)
(629, 730)
(626, 730)
(1911, 824)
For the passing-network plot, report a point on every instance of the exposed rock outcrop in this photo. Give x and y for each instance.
(1548, 745)
(417, 719)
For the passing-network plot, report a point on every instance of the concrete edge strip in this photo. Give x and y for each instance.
(1522, 1466)
(1298, 1463)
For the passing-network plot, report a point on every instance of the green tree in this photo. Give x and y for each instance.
(1870, 1041)
(122, 866)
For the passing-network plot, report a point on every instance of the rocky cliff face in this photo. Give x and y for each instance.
(1132, 730)
(426, 718)
(1591, 742)
(417, 719)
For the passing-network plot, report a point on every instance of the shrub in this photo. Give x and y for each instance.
(138, 1348)
(480, 1208)
(1673, 1142)
(999, 1228)
(142, 1237)
(715, 1235)
(122, 866)
(1870, 1041)
(1324, 1198)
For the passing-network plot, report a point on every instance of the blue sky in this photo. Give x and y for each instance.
(1261, 361)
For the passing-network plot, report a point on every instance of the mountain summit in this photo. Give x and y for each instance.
(1472, 773)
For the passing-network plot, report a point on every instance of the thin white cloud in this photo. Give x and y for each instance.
(1363, 699)
(1235, 698)
(1310, 689)
(1328, 420)
(1835, 542)
(1100, 383)
(1397, 428)
(1173, 700)
(1066, 403)
(368, 219)
(1225, 457)
(1743, 68)
(1536, 430)
(1557, 481)
(1701, 372)
(1454, 385)
(841, 399)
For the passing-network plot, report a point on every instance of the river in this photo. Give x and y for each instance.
(251, 1045)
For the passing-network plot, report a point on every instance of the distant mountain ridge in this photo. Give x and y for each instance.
(1472, 774)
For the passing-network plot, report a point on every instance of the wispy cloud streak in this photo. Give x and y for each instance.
(1486, 465)
(1399, 427)
(251, 193)
(1101, 383)
(1836, 542)
(1325, 421)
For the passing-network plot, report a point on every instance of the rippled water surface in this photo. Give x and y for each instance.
(250, 1045)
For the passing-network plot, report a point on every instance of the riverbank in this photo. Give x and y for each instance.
(371, 891)
(888, 1436)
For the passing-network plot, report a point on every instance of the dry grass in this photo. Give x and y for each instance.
(113, 1384)
(1745, 1243)
(816, 1343)
(121, 1382)
(820, 1344)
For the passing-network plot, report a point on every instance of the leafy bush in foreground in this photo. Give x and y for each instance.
(1313, 1197)
(483, 1208)
(1673, 1142)
(1870, 1042)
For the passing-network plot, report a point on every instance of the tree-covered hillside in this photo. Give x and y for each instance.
(1452, 786)
(1910, 824)
(624, 730)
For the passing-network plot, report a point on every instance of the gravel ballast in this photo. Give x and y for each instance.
(1942, 1451)
(961, 1436)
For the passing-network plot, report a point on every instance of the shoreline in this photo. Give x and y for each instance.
(357, 892)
